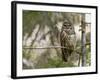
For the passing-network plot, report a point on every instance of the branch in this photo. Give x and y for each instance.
(48, 47)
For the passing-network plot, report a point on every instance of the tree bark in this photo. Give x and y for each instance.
(83, 41)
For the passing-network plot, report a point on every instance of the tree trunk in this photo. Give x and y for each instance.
(83, 41)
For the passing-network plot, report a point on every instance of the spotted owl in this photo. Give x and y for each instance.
(67, 40)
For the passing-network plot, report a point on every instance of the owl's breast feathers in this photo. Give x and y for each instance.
(68, 40)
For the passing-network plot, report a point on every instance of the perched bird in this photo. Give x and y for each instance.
(67, 40)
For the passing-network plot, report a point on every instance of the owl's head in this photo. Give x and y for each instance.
(68, 28)
(66, 23)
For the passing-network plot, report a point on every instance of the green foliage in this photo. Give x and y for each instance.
(57, 63)
(26, 55)
(45, 18)
(88, 56)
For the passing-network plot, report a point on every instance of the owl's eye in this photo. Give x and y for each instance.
(65, 25)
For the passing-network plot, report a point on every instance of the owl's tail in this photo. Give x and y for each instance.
(65, 55)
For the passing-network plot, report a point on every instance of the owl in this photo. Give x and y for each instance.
(67, 40)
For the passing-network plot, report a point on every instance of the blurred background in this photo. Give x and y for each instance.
(41, 39)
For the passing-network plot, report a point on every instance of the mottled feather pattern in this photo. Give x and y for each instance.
(67, 39)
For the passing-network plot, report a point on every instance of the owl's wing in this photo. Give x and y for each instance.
(63, 41)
